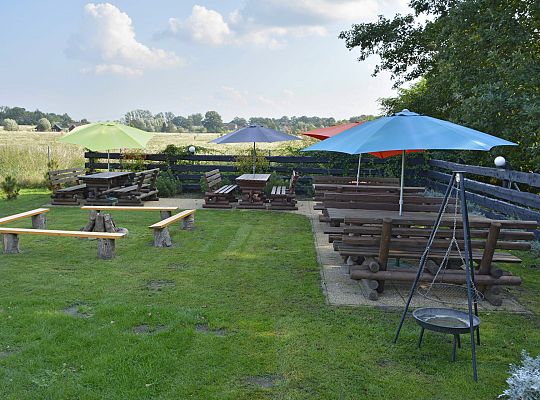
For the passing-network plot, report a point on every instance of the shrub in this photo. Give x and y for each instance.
(52, 165)
(524, 381)
(167, 184)
(244, 162)
(274, 180)
(43, 125)
(10, 188)
(10, 125)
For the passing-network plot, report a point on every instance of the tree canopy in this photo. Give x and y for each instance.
(473, 62)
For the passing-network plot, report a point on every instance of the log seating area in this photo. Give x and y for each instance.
(162, 238)
(368, 241)
(218, 195)
(142, 188)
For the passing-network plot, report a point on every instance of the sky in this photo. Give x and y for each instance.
(98, 60)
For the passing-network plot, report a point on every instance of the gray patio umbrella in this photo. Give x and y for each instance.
(254, 133)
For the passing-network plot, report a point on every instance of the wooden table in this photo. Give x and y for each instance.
(252, 187)
(321, 188)
(98, 184)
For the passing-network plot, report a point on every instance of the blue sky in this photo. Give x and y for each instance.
(241, 58)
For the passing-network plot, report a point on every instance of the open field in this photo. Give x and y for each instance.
(239, 315)
(24, 154)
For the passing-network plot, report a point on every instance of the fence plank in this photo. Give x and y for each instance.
(515, 196)
(528, 178)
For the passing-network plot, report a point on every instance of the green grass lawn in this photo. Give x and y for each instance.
(240, 315)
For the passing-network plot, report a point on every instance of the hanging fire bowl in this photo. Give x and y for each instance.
(444, 320)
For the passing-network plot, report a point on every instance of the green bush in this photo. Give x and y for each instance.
(168, 185)
(244, 162)
(10, 125)
(10, 188)
(52, 165)
(43, 125)
(275, 180)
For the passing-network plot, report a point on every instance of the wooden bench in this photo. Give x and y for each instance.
(39, 220)
(344, 180)
(322, 188)
(106, 241)
(283, 197)
(218, 195)
(162, 238)
(370, 246)
(143, 187)
(165, 212)
(74, 191)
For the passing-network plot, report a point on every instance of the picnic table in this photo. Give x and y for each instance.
(98, 185)
(252, 187)
(321, 188)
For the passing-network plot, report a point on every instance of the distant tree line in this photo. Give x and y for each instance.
(24, 117)
(213, 122)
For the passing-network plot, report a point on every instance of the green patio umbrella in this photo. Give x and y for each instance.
(104, 136)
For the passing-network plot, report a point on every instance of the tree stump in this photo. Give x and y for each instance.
(371, 264)
(39, 221)
(369, 291)
(188, 223)
(165, 214)
(11, 243)
(162, 238)
(91, 222)
(106, 249)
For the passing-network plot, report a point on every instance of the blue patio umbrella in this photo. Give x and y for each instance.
(404, 131)
(254, 133)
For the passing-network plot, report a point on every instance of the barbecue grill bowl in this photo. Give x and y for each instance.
(444, 320)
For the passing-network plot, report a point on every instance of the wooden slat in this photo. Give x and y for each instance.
(126, 208)
(25, 214)
(167, 221)
(52, 232)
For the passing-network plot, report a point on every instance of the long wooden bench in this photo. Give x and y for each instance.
(66, 186)
(162, 237)
(370, 246)
(165, 212)
(344, 180)
(283, 197)
(143, 187)
(218, 195)
(39, 220)
(106, 241)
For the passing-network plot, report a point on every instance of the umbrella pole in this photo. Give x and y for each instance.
(401, 183)
(358, 170)
(254, 158)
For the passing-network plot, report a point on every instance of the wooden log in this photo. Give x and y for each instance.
(188, 223)
(106, 249)
(489, 249)
(162, 238)
(432, 266)
(39, 221)
(371, 264)
(405, 276)
(108, 223)
(370, 283)
(91, 222)
(99, 225)
(496, 272)
(370, 293)
(384, 247)
(493, 296)
(165, 214)
(11, 243)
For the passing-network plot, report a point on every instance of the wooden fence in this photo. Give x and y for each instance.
(511, 194)
(189, 169)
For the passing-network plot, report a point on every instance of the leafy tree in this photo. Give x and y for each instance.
(196, 119)
(239, 122)
(43, 125)
(10, 125)
(479, 69)
(182, 122)
(212, 121)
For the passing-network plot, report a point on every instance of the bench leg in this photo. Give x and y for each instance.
(106, 249)
(165, 214)
(39, 221)
(11, 243)
(162, 238)
(188, 223)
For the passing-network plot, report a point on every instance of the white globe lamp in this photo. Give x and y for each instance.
(500, 161)
(191, 149)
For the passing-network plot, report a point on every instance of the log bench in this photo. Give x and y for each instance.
(367, 247)
(143, 187)
(165, 212)
(39, 220)
(218, 195)
(283, 197)
(70, 195)
(106, 241)
(162, 238)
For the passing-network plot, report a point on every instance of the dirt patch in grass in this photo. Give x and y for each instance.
(178, 267)
(204, 328)
(8, 351)
(158, 285)
(265, 381)
(147, 329)
(79, 310)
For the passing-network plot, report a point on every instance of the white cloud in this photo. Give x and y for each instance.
(107, 39)
(203, 26)
(228, 93)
